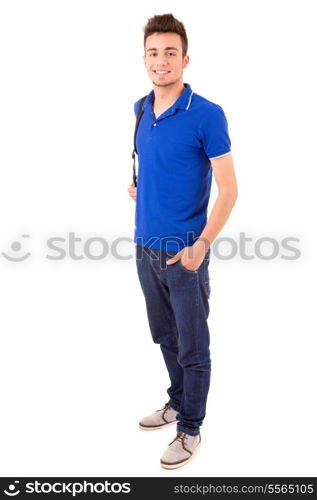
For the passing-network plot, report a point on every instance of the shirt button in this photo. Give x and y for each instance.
(154, 124)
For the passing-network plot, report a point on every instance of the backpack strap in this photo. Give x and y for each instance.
(138, 118)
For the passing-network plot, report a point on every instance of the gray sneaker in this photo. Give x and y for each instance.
(159, 419)
(180, 450)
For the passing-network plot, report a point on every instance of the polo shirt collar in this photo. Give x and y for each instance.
(183, 102)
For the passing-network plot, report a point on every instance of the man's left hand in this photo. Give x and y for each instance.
(191, 257)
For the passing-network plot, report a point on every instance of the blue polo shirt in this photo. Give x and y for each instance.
(174, 169)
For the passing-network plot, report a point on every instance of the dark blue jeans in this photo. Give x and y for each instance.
(177, 309)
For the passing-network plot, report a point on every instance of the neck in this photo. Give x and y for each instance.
(168, 94)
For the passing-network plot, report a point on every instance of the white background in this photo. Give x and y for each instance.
(78, 366)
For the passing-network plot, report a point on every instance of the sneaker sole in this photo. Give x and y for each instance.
(144, 428)
(176, 466)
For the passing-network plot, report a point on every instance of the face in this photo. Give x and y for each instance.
(163, 59)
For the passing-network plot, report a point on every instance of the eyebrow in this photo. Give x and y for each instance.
(166, 48)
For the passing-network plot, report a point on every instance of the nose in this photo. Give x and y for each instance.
(161, 60)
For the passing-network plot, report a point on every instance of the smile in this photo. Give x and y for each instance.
(161, 72)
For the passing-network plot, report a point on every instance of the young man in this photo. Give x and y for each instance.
(182, 139)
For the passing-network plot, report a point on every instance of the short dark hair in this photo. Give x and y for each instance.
(166, 23)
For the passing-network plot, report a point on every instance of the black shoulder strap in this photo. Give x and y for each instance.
(138, 118)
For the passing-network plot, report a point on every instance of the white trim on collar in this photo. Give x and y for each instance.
(190, 98)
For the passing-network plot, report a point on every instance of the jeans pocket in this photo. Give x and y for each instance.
(185, 268)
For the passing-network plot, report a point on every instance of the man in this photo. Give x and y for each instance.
(182, 139)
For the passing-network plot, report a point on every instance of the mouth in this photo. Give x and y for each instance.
(161, 73)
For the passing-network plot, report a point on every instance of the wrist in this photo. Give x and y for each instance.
(203, 244)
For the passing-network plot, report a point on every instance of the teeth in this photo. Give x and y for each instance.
(161, 72)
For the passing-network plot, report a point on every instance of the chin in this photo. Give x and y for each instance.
(164, 84)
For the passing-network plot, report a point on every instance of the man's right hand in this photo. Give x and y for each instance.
(132, 191)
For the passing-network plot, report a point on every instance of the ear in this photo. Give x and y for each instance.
(186, 61)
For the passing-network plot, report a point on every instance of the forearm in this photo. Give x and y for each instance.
(219, 215)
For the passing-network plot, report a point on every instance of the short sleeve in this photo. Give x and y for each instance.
(136, 107)
(214, 132)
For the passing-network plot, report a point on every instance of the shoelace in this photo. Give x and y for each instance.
(180, 436)
(165, 407)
